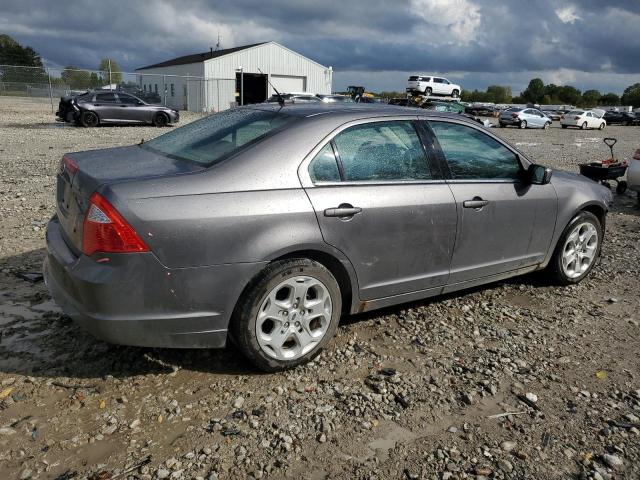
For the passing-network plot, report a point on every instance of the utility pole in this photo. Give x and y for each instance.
(110, 85)
(50, 93)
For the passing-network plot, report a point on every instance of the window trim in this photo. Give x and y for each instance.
(303, 168)
(522, 160)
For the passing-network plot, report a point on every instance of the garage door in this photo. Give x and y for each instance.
(288, 83)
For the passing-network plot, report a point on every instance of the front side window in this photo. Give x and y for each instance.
(127, 99)
(212, 139)
(323, 167)
(382, 151)
(474, 155)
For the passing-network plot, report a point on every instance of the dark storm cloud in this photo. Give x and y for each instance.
(467, 38)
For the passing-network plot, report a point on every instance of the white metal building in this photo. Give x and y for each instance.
(213, 81)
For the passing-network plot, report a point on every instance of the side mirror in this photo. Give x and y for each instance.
(538, 174)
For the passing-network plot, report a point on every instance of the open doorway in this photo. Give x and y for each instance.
(254, 88)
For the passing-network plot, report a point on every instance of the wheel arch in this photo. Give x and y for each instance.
(340, 269)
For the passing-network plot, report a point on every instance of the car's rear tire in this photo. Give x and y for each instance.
(288, 313)
(428, 91)
(160, 120)
(584, 126)
(89, 119)
(601, 127)
(523, 124)
(577, 250)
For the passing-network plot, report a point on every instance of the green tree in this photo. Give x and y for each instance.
(569, 95)
(499, 94)
(631, 95)
(76, 78)
(609, 100)
(535, 91)
(106, 65)
(591, 98)
(12, 53)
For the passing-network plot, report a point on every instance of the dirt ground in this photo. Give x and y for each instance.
(516, 380)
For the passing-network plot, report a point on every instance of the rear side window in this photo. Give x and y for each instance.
(323, 167)
(106, 97)
(216, 137)
(425, 79)
(127, 99)
(382, 151)
(413, 78)
(474, 155)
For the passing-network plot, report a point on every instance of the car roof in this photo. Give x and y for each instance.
(352, 111)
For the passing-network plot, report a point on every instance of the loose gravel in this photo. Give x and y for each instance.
(516, 380)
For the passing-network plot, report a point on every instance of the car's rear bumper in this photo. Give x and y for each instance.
(132, 299)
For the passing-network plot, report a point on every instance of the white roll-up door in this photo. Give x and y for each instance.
(289, 83)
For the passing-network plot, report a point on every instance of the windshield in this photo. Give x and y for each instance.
(216, 137)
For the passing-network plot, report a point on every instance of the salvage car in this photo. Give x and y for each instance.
(430, 85)
(623, 118)
(95, 108)
(582, 119)
(633, 173)
(264, 224)
(524, 118)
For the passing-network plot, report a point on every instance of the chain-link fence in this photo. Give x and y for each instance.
(182, 92)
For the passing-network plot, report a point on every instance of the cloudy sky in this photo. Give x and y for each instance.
(376, 43)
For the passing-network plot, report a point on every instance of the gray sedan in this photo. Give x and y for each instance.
(103, 107)
(266, 224)
(524, 118)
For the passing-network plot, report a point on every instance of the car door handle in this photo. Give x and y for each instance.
(343, 211)
(477, 203)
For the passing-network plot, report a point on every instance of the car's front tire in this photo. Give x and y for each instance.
(601, 127)
(160, 120)
(577, 250)
(455, 94)
(89, 119)
(288, 313)
(547, 125)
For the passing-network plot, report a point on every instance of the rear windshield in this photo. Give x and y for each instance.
(413, 78)
(576, 112)
(513, 109)
(214, 138)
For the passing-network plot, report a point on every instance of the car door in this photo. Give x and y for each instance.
(504, 222)
(379, 201)
(437, 85)
(106, 106)
(130, 110)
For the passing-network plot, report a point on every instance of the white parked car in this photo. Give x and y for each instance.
(430, 85)
(583, 119)
(633, 173)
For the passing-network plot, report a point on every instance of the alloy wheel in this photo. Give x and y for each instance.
(580, 250)
(293, 317)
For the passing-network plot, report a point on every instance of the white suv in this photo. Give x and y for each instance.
(430, 85)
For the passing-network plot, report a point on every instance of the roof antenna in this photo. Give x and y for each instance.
(218, 44)
(280, 97)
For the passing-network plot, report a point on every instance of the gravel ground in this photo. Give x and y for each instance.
(516, 380)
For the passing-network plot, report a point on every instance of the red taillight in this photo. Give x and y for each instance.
(514, 115)
(69, 165)
(576, 118)
(562, 117)
(105, 230)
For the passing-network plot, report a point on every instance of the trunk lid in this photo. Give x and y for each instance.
(98, 168)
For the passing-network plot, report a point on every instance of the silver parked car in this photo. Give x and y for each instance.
(266, 224)
(524, 118)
